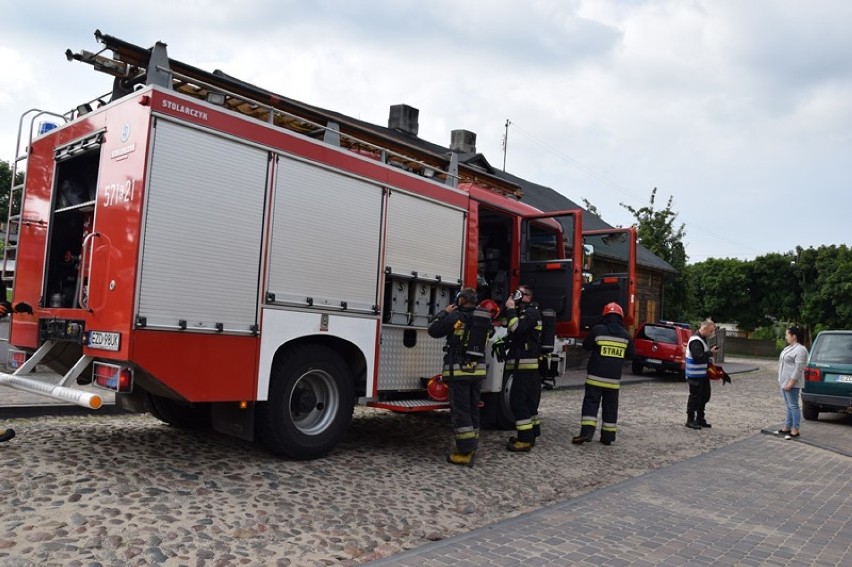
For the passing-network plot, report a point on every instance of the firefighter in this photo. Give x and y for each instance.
(523, 331)
(698, 358)
(6, 308)
(610, 344)
(462, 375)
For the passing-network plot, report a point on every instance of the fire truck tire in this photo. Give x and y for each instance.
(497, 413)
(177, 414)
(310, 403)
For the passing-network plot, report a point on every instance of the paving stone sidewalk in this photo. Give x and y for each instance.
(760, 501)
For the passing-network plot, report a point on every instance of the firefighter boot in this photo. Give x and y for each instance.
(462, 459)
(585, 435)
(607, 437)
(690, 421)
(513, 440)
(6, 434)
(515, 445)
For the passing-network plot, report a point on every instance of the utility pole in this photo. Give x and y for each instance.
(506, 143)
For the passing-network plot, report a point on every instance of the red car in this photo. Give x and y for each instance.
(661, 346)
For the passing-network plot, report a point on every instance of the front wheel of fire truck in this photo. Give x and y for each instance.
(310, 403)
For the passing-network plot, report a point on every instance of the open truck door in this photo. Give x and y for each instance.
(617, 287)
(551, 261)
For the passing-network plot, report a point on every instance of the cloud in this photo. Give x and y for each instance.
(736, 109)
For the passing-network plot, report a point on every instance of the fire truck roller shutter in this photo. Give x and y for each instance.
(424, 237)
(325, 237)
(202, 230)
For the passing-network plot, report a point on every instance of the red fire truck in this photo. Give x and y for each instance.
(216, 254)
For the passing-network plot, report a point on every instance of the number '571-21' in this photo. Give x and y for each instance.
(116, 193)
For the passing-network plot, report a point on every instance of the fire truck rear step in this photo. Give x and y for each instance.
(410, 406)
(56, 391)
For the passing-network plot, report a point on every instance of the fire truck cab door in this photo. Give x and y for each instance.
(544, 263)
(614, 287)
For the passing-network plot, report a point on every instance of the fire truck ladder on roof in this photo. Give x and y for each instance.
(16, 191)
(132, 65)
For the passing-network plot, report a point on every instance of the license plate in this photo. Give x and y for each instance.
(844, 378)
(653, 361)
(104, 340)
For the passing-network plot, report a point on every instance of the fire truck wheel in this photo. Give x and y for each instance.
(497, 413)
(310, 403)
(177, 414)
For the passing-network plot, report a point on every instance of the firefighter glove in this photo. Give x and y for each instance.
(23, 307)
(726, 379)
(5, 308)
(498, 349)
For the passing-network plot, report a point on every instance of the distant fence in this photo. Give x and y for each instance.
(763, 348)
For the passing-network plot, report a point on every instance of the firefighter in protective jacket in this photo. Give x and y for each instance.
(610, 344)
(523, 331)
(462, 373)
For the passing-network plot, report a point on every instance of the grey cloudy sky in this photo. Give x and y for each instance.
(741, 111)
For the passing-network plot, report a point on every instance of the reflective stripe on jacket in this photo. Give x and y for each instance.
(696, 366)
(610, 344)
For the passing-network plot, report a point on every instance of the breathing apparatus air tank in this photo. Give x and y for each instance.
(478, 332)
(547, 341)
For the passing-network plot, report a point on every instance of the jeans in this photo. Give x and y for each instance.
(791, 400)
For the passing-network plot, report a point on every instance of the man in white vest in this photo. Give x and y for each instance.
(698, 357)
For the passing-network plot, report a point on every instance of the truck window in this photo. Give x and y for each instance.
(494, 260)
(542, 244)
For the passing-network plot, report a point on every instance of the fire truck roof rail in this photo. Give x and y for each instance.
(132, 65)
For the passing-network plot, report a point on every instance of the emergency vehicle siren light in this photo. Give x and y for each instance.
(45, 127)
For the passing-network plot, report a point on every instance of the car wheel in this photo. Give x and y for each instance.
(310, 403)
(810, 411)
(637, 368)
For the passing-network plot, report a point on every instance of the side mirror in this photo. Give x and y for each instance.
(588, 251)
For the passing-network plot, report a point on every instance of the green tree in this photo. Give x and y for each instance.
(810, 287)
(825, 289)
(657, 232)
(721, 289)
(5, 187)
(772, 291)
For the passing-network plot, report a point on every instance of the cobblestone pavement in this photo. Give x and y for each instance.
(127, 490)
(760, 501)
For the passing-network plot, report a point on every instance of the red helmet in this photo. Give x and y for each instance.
(613, 308)
(491, 306)
(437, 388)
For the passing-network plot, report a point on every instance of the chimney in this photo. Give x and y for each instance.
(404, 118)
(463, 141)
